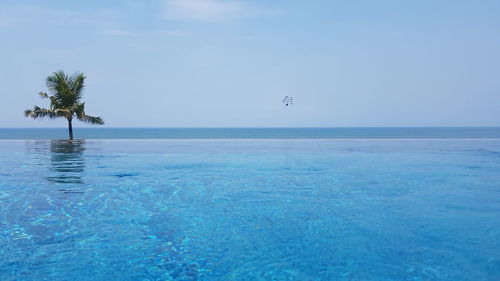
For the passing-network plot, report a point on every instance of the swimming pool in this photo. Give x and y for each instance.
(340, 209)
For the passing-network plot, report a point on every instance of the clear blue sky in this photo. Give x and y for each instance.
(228, 63)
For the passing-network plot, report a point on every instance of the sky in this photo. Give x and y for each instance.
(229, 63)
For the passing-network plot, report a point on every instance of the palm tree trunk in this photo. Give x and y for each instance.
(70, 129)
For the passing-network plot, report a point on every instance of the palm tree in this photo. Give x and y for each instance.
(65, 102)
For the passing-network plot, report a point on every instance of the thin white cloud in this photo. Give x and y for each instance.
(137, 33)
(204, 10)
(33, 15)
(104, 22)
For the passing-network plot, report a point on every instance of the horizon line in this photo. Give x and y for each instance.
(274, 127)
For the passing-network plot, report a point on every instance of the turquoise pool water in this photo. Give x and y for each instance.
(250, 210)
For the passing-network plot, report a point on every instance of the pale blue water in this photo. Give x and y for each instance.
(421, 209)
(252, 133)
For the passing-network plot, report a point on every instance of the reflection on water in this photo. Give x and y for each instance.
(67, 161)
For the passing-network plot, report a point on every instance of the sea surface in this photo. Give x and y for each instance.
(238, 209)
(253, 133)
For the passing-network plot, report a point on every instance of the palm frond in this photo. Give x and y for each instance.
(79, 109)
(43, 95)
(91, 120)
(64, 112)
(76, 84)
(60, 85)
(38, 112)
(56, 82)
(54, 103)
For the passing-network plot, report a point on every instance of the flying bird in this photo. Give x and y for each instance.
(287, 100)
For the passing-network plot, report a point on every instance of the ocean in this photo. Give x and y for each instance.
(253, 133)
